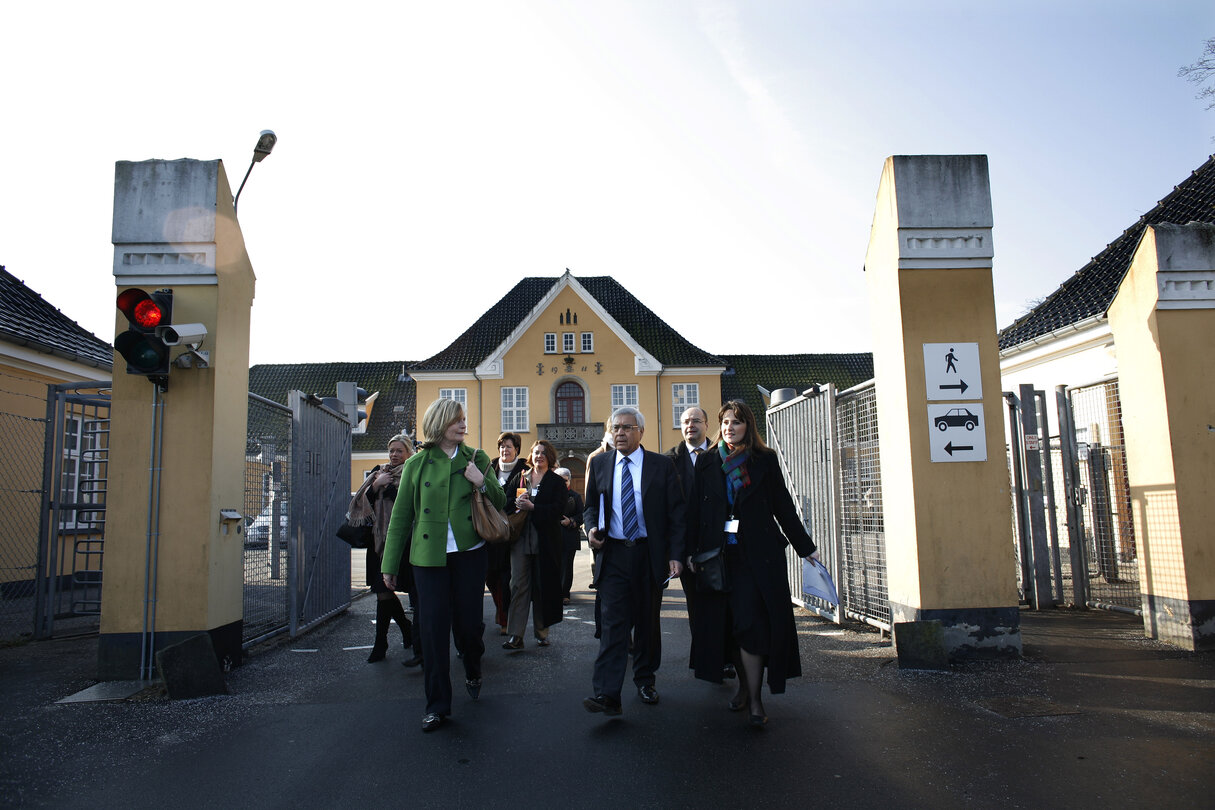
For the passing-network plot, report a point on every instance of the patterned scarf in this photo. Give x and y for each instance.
(734, 465)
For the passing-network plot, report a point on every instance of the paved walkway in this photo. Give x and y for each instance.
(1092, 716)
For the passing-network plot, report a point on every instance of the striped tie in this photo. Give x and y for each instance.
(628, 501)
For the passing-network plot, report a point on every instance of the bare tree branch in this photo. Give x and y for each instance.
(1201, 72)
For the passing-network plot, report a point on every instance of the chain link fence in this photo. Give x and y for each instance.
(24, 431)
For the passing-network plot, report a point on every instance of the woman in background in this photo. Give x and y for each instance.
(509, 467)
(535, 558)
(373, 503)
(571, 534)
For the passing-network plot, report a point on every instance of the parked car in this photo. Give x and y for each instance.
(957, 417)
(257, 530)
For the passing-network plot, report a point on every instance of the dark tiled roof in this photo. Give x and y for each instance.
(495, 326)
(1091, 290)
(393, 412)
(799, 371)
(28, 320)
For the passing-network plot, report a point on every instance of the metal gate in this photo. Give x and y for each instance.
(828, 445)
(1074, 538)
(71, 531)
(319, 573)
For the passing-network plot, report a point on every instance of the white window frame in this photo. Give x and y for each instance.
(550, 342)
(683, 396)
(588, 342)
(567, 342)
(458, 394)
(515, 412)
(624, 395)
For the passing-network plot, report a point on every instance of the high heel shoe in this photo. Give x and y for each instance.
(737, 704)
(513, 643)
(759, 720)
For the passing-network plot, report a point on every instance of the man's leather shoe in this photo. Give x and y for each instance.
(728, 671)
(473, 685)
(648, 694)
(513, 643)
(602, 703)
(432, 721)
(412, 662)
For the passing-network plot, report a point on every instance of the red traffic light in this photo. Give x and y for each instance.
(139, 307)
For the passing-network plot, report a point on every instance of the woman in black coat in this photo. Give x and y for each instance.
(739, 499)
(535, 558)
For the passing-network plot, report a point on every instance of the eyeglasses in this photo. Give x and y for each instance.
(693, 421)
(623, 428)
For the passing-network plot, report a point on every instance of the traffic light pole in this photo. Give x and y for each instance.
(152, 552)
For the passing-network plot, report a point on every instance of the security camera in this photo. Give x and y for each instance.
(178, 333)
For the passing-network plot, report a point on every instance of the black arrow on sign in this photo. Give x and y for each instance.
(949, 448)
(961, 386)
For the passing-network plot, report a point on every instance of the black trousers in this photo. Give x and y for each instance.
(450, 602)
(628, 597)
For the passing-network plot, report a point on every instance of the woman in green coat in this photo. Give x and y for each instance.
(432, 519)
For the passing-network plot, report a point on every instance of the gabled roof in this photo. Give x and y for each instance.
(1091, 290)
(393, 411)
(26, 319)
(799, 371)
(489, 331)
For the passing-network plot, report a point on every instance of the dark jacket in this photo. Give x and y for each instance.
(571, 536)
(685, 462)
(545, 517)
(662, 503)
(768, 522)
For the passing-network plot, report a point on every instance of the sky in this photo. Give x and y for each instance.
(715, 158)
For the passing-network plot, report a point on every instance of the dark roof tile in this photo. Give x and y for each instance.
(27, 319)
(1090, 291)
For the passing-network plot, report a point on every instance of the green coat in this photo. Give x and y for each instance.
(433, 494)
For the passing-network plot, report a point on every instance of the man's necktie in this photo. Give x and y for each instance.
(698, 450)
(628, 502)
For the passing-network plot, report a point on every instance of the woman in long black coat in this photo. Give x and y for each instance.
(742, 509)
(535, 558)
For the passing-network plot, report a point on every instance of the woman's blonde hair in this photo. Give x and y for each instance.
(404, 440)
(440, 415)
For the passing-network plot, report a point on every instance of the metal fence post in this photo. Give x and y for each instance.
(1071, 495)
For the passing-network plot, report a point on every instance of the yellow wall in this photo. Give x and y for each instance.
(1166, 386)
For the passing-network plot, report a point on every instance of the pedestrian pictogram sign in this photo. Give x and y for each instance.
(951, 371)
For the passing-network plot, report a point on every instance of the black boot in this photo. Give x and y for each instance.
(398, 613)
(383, 617)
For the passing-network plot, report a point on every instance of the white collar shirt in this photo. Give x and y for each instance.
(616, 527)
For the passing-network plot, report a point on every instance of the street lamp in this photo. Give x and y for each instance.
(265, 145)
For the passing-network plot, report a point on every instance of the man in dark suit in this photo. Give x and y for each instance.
(635, 514)
(694, 423)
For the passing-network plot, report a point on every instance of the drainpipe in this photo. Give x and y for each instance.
(658, 404)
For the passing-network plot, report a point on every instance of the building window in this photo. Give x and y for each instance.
(514, 410)
(571, 404)
(550, 342)
(684, 396)
(458, 394)
(623, 395)
(83, 469)
(567, 342)
(588, 342)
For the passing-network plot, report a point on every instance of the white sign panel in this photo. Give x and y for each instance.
(951, 371)
(957, 431)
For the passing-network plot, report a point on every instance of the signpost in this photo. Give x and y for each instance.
(954, 388)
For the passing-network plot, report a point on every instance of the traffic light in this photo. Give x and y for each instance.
(352, 402)
(141, 346)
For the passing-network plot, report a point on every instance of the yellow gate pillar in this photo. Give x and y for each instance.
(1163, 322)
(945, 490)
(174, 552)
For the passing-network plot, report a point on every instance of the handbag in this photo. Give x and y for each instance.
(710, 570)
(490, 524)
(357, 536)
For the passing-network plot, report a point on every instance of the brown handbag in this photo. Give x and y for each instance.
(489, 523)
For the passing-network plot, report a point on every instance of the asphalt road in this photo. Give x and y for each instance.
(1092, 716)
